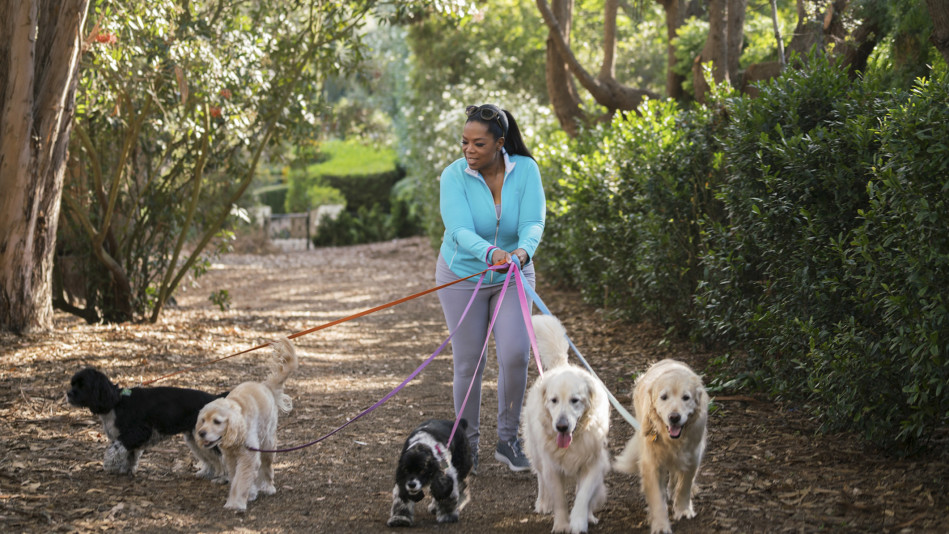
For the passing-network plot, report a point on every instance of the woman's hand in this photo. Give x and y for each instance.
(499, 256)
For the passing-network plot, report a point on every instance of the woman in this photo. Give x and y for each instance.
(493, 207)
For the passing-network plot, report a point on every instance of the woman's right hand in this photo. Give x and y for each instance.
(500, 256)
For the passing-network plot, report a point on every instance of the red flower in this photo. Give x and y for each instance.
(226, 93)
(215, 112)
(106, 38)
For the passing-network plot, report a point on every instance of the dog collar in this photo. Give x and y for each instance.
(126, 392)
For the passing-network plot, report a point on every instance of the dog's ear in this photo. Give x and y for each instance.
(592, 394)
(701, 396)
(103, 395)
(442, 486)
(236, 429)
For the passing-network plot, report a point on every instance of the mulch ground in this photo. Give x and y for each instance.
(766, 468)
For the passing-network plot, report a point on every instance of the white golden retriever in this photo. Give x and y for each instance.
(247, 417)
(672, 407)
(565, 425)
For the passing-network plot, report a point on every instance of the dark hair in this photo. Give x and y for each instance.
(500, 124)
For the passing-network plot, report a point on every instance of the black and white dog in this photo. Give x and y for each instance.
(137, 418)
(427, 462)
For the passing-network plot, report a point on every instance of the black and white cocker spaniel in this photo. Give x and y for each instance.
(137, 418)
(428, 462)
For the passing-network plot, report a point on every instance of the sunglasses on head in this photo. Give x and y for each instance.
(485, 112)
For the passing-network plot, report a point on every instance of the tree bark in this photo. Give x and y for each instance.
(675, 16)
(39, 63)
(604, 88)
(939, 11)
(560, 87)
(715, 50)
(734, 38)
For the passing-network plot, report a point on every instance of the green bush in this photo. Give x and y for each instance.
(625, 227)
(799, 157)
(895, 349)
(367, 225)
(828, 278)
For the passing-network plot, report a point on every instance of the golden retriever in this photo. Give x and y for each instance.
(565, 425)
(247, 418)
(672, 406)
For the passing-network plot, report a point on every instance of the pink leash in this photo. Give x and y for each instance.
(525, 310)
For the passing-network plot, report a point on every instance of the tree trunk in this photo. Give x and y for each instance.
(560, 87)
(714, 50)
(734, 38)
(675, 16)
(604, 88)
(939, 11)
(39, 62)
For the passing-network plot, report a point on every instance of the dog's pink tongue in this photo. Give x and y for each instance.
(674, 431)
(564, 439)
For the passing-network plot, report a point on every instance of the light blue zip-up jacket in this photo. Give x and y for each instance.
(472, 225)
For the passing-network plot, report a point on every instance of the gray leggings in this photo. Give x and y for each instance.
(510, 341)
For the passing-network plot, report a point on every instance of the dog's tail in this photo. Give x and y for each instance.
(551, 340)
(628, 460)
(282, 366)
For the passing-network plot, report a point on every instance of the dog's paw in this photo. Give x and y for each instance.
(448, 518)
(578, 525)
(561, 525)
(543, 507)
(686, 512)
(399, 521)
(236, 506)
(660, 527)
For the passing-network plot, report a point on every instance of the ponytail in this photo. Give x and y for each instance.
(513, 142)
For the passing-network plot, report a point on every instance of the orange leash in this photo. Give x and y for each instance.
(320, 327)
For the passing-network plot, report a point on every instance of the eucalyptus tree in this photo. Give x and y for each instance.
(39, 57)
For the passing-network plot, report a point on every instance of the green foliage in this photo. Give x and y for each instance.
(274, 196)
(799, 157)
(689, 41)
(829, 272)
(221, 299)
(175, 105)
(896, 345)
(353, 157)
(367, 225)
(905, 52)
(803, 232)
(625, 225)
(349, 173)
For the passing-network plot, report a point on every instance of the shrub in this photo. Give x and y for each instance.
(625, 225)
(895, 348)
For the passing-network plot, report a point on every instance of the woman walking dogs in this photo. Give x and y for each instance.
(493, 207)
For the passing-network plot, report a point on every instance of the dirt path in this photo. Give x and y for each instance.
(765, 470)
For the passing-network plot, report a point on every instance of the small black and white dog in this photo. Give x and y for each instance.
(427, 462)
(137, 418)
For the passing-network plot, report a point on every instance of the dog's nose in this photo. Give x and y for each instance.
(674, 418)
(413, 485)
(562, 424)
(201, 433)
